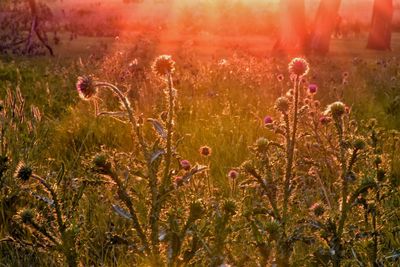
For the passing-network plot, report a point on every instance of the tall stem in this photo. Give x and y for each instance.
(291, 144)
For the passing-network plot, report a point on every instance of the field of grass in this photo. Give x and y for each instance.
(225, 87)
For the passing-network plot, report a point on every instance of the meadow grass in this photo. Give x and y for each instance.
(221, 104)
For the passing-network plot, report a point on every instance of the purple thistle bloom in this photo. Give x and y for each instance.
(185, 164)
(268, 120)
(233, 174)
(312, 88)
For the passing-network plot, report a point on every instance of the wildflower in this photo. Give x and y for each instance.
(163, 65)
(268, 120)
(336, 109)
(345, 75)
(196, 209)
(23, 172)
(282, 104)
(233, 174)
(205, 151)
(280, 77)
(312, 88)
(185, 164)
(324, 120)
(27, 215)
(318, 209)
(85, 87)
(178, 180)
(299, 67)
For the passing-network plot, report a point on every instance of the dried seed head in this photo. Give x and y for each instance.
(299, 67)
(23, 172)
(163, 65)
(205, 151)
(85, 87)
(282, 104)
(185, 164)
(27, 215)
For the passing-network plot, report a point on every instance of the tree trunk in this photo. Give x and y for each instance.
(381, 26)
(292, 33)
(325, 22)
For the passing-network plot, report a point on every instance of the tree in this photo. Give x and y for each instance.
(21, 22)
(381, 25)
(324, 24)
(292, 33)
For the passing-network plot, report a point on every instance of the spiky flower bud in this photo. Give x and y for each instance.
(282, 104)
(185, 164)
(85, 87)
(101, 162)
(380, 175)
(336, 109)
(299, 67)
(318, 209)
(272, 227)
(262, 144)
(27, 215)
(205, 151)
(359, 144)
(23, 172)
(229, 207)
(196, 209)
(163, 65)
(248, 166)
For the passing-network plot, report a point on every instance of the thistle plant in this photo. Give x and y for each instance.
(51, 212)
(156, 165)
(275, 178)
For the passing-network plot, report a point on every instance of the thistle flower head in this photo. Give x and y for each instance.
(280, 77)
(233, 174)
(185, 164)
(282, 104)
(268, 120)
(205, 151)
(101, 162)
(85, 87)
(262, 144)
(23, 172)
(299, 67)
(312, 88)
(27, 215)
(336, 109)
(359, 144)
(324, 120)
(229, 207)
(163, 65)
(178, 181)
